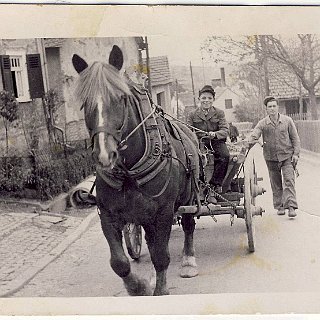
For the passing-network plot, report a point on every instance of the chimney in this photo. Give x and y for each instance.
(223, 77)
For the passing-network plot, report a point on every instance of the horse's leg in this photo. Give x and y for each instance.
(119, 262)
(157, 237)
(189, 265)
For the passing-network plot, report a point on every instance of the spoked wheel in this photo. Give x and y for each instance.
(133, 239)
(250, 178)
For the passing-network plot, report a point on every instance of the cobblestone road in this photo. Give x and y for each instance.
(26, 237)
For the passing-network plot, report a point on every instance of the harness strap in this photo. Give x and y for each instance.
(123, 142)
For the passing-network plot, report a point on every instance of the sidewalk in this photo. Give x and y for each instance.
(29, 241)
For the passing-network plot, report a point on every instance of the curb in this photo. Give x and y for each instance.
(58, 204)
(24, 278)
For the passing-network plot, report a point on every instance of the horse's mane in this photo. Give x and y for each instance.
(100, 79)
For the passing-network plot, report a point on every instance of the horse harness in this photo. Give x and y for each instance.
(158, 148)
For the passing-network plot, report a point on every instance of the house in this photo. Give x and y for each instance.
(292, 96)
(161, 80)
(32, 67)
(227, 97)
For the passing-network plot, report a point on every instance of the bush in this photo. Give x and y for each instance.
(47, 178)
(15, 173)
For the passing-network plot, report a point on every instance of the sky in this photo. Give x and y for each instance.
(180, 50)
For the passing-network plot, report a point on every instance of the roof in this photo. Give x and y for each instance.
(284, 84)
(220, 90)
(159, 70)
(53, 42)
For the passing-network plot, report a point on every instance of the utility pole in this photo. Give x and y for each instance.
(177, 97)
(148, 65)
(194, 96)
(203, 73)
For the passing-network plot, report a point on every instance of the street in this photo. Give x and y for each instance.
(287, 257)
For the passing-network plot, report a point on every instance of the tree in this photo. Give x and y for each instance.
(8, 112)
(299, 55)
(302, 58)
(249, 110)
(51, 103)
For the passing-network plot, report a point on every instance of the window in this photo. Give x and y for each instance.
(22, 75)
(228, 103)
(19, 87)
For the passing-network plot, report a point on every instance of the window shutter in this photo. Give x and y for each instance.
(6, 73)
(35, 76)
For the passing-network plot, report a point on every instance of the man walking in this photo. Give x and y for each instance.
(281, 148)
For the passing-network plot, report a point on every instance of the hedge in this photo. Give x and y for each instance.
(27, 178)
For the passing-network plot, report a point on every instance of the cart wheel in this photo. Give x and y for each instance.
(249, 200)
(133, 239)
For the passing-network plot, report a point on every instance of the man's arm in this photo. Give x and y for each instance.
(256, 133)
(295, 140)
(223, 131)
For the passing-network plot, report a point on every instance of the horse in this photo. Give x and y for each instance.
(146, 167)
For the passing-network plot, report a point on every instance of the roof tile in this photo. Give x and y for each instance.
(159, 70)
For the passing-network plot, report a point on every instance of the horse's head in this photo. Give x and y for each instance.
(102, 93)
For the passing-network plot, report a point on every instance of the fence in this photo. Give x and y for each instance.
(299, 116)
(309, 133)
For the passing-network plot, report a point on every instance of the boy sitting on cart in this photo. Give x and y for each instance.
(212, 120)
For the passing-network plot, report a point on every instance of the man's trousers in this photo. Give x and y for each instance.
(282, 179)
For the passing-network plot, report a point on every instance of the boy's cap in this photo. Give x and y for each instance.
(207, 88)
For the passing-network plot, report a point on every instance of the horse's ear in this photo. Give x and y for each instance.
(78, 63)
(116, 57)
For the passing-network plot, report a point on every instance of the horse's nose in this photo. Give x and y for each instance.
(108, 159)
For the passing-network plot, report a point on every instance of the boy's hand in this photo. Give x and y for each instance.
(212, 134)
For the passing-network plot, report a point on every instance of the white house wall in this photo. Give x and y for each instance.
(166, 89)
(90, 49)
(220, 103)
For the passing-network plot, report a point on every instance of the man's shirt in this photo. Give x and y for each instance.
(214, 120)
(280, 140)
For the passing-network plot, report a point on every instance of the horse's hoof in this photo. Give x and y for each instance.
(137, 287)
(189, 261)
(164, 292)
(188, 272)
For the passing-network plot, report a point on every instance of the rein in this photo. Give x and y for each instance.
(123, 142)
(185, 123)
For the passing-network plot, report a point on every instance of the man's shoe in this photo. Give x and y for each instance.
(292, 212)
(281, 212)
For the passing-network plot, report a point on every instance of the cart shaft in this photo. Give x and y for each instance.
(210, 209)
